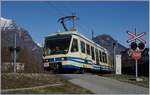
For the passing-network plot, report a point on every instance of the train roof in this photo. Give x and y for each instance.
(76, 33)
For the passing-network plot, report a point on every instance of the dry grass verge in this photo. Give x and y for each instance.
(13, 81)
(129, 79)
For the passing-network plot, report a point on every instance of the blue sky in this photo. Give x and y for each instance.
(113, 18)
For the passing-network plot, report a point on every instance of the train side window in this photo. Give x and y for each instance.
(100, 56)
(74, 47)
(92, 53)
(88, 49)
(97, 57)
(104, 57)
(82, 47)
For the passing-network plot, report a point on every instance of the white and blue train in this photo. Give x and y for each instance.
(71, 50)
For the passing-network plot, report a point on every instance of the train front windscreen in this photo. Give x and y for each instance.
(57, 44)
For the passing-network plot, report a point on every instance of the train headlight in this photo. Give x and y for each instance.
(46, 60)
(62, 59)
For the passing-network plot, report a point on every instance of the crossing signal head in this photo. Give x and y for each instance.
(141, 46)
(133, 45)
(18, 49)
(10, 49)
(114, 44)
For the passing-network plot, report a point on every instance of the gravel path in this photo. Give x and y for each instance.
(29, 88)
(103, 85)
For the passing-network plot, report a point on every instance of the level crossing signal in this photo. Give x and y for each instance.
(136, 48)
(141, 46)
(136, 54)
(136, 37)
(134, 45)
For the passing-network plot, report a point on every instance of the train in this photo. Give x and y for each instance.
(70, 50)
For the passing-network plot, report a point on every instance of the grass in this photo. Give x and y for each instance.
(12, 81)
(68, 88)
(129, 79)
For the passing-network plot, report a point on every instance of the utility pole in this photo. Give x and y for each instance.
(14, 52)
(114, 51)
(136, 63)
(135, 33)
(114, 55)
(92, 34)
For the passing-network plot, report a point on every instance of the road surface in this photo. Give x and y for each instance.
(103, 85)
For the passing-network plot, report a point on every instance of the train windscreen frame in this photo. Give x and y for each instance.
(58, 44)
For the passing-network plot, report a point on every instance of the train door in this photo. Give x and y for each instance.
(83, 52)
(74, 46)
(88, 57)
(93, 54)
(97, 56)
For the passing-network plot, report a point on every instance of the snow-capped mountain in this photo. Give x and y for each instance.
(31, 51)
(7, 24)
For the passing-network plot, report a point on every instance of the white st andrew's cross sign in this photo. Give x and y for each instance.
(134, 37)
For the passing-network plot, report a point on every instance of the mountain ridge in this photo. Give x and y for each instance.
(30, 53)
(107, 41)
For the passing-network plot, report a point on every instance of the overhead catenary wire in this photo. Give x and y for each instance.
(66, 12)
(59, 11)
(88, 29)
(68, 9)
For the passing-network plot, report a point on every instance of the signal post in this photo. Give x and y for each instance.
(135, 51)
